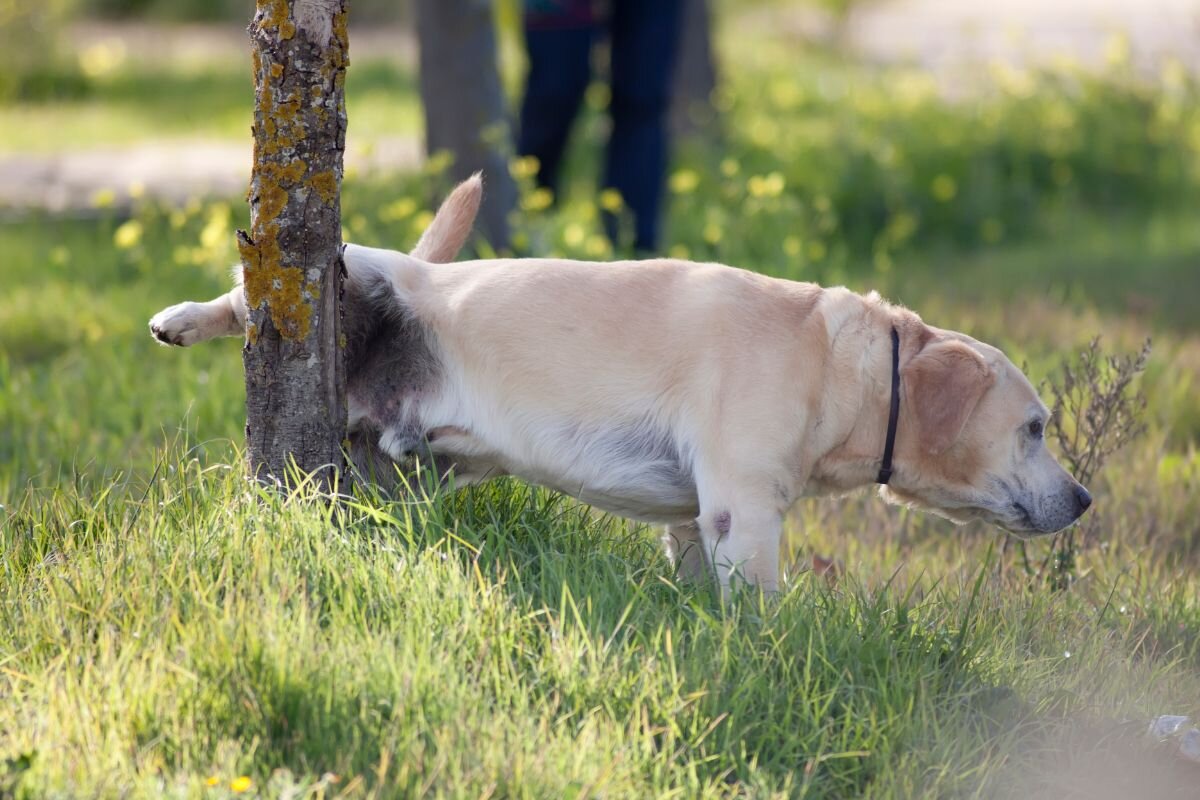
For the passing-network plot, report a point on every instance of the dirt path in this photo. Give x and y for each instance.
(175, 171)
(945, 36)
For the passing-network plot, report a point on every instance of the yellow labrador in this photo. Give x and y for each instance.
(699, 396)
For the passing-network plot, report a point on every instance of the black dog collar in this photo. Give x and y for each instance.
(885, 470)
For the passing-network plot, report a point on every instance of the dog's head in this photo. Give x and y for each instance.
(973, 441)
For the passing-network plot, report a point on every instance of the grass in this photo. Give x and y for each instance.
(167, 630)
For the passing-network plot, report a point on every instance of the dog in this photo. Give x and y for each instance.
(701, 397)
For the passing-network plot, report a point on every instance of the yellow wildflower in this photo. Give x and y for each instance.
(538, 200)
(241, 784)
(597, 246)
(611, 200)
(684, 181)
(394, 212)
(770, 185)
(524, 167)
(103, 198)
(128, 234)
(573, 235)
(420, 221)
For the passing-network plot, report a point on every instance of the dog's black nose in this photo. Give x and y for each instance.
(1082, 498)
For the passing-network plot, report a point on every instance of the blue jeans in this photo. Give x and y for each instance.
(644, 39)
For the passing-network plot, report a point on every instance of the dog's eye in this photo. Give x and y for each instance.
(1035, 429)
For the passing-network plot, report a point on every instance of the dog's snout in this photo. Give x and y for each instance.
(1082, 498)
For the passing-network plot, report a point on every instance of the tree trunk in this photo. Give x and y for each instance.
(695, 72)
(465, 108)
(292, 257)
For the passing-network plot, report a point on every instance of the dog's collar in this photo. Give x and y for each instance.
(885, 470)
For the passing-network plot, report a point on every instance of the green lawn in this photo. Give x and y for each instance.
(166, 630)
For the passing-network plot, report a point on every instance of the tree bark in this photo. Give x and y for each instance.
(292, 256)
(695, 72)
(465, 109)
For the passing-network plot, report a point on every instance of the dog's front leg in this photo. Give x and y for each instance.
(188, 323)
(743, 532)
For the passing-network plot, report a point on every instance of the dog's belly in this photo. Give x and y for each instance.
(632, 470)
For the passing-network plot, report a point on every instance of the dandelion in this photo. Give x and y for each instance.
(128, 234)
(611, 200)
(539, 199)
(684, 181)
(713, 233)
(944, 188)
(103, 198)
(136, 190)
(401, 209)
(420, 221)
(524, 167)
(573, 235)
(678, 251)
(102, 58)
(439, 162)
(211, 780)
(216, 229)
(769, 185)
(241, 784)
(597, 246)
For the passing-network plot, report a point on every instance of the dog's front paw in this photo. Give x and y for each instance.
(181, 325)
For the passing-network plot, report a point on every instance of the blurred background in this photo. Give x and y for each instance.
(1025, 171)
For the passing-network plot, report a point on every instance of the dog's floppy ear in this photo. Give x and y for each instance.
(945, 382)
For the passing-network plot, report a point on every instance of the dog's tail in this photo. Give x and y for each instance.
(452, 224)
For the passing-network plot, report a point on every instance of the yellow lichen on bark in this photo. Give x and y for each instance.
(341, 57)
(277, 14)
(282, 288)
(326, 186)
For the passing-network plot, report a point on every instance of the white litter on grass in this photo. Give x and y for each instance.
(1180, 731)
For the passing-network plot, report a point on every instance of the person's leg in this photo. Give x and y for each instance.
(558, 37)
(645, 38)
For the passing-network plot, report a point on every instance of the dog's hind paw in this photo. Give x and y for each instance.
(182, 325)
